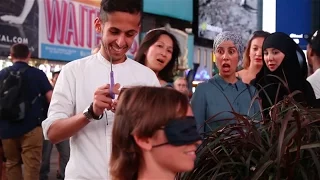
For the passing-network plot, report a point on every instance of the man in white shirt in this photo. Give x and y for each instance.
(81, 102)
(313, 55)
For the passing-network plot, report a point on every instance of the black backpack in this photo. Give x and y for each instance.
(13, 98)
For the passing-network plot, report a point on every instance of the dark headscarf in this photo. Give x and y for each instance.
(303, 62)
(291, 71)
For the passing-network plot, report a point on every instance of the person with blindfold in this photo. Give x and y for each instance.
(154, 135)
(215, 102)
(282, 72)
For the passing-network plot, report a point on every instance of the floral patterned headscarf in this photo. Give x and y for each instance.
(230, 36)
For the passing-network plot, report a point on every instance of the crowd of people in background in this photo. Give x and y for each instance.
(153, 129)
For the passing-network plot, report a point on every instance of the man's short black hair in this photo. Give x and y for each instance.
(19, 51)
(314, 41)
(128, 6)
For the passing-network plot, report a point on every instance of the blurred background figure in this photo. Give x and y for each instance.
(181, 85)
(313, 54)
(55, 76)
(252, 59)
(22, 136)
(62, 147)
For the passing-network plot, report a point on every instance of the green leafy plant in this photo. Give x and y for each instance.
(284, 146)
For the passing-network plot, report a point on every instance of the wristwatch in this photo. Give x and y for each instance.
(89, 114)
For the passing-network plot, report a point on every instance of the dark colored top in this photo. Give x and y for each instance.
(170, 85)
(290, 76)
(36, 85)
(218, 96)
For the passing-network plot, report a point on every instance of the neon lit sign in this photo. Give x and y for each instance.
(70, 23)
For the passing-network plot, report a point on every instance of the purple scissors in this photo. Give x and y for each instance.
(111, 81)
(111, 93)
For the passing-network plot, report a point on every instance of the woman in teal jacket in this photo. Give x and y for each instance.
(224, 93)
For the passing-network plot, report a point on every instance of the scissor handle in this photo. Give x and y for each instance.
(111, 85)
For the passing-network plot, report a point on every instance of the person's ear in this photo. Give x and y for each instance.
(11, 56)
(144, 143)
(98, 25)
(312, 53)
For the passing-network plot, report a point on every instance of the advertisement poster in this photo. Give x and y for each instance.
(302, 20)
(216, 16)
(19, 21)
(60, 30)
(66, 30)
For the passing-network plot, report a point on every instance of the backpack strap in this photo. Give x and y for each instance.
(9, 69)
(6, 73)
(23, 69)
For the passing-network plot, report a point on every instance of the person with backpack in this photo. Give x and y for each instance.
(25, 94)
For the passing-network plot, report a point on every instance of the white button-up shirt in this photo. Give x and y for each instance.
(91, 146)
(314, 80)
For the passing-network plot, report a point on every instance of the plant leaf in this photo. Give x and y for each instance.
(261, 170)
(284, 125)
(315, 160)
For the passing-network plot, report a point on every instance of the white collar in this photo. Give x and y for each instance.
(107, 62)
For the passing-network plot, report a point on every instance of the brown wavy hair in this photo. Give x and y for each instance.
(167, 73)
(246, 57)
(141, 111)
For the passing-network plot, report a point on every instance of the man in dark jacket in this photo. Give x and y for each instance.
(22, 140)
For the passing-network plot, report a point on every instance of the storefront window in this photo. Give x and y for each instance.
(46, 66)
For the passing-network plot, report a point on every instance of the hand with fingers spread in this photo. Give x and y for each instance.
(102, 99)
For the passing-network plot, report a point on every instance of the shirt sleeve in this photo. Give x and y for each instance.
(199, 106)
(153, 80)
(309, 94)
(44, 83)
(63, 99)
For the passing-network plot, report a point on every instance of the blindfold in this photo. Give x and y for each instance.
(182, 131)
